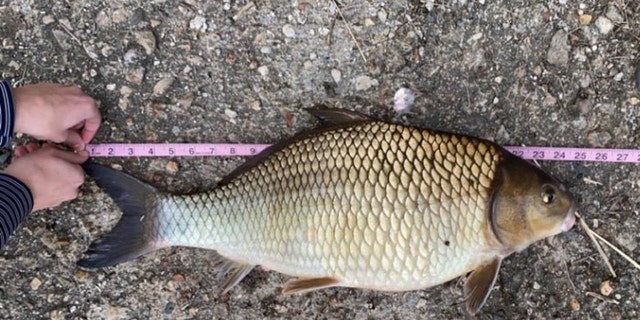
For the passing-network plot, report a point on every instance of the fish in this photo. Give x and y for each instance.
(355, 202)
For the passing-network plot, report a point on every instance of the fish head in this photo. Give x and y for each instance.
(529, 205)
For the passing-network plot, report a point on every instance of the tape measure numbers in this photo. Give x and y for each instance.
(229, 149)
(173, 149)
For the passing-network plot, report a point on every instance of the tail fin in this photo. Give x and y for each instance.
(135, 233)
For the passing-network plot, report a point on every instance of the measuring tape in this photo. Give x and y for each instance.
(229, 149)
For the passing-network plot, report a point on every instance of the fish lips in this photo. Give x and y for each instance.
(569, 220)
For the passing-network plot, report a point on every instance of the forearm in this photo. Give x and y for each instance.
(16, 202)
(7, 113)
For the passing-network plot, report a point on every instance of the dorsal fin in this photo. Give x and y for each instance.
(333, 118)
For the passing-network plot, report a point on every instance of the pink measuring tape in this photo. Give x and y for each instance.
(225, 150)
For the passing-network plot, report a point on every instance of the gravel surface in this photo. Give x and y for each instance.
(553, 72)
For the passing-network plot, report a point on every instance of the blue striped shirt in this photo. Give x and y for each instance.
(16, 200)
(7, 113)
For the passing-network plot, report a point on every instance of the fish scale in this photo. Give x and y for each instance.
(355, 203)
(299, 228)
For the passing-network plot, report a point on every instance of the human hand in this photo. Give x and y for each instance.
(58, 113)
(52, 175)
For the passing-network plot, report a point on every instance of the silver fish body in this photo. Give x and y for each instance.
(358, 203)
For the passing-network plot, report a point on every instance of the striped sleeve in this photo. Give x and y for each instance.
(16, 202)
(7, 114)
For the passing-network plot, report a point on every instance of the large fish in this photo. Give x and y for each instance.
(355, 203)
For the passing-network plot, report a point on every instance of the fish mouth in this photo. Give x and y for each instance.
(569, 220)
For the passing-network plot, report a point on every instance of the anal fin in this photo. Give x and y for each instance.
(479, 284)
(302, 285)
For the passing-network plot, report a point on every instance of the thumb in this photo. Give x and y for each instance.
(74, 140)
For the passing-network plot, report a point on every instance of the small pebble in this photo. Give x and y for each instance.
(255, 105)
(130, 57)
(186, 100)
(147, 40)
(618, 77)
(80, 275)
(585, 19)
(599, 139)
(199, 23)
(364, 83)
(604, 25)
(280, 308)
(606, 289)
(574, 304)
(14, 65)
(35, 284)
(336, 75)
(161, 86)
(263, 70)
(178, 277)
(135, 76)
(102, 19)
(382, 15)
(62, 38)
(403, 100)
(232, 115)
(614, 14)
(288, 31)
(558, 53)
(119, 16)
(169, 308)
(172, 167)
(48, 19)
(536, 286)
(125, 91)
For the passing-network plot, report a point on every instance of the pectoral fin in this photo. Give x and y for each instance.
(234, 271)
(302, 285)
(479, 284)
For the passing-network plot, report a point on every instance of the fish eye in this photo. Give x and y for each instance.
(548, 195)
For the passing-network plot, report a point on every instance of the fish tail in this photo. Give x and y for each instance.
(134, 234)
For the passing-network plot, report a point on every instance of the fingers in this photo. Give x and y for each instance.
(74, 140)
(77, 157)
(26, 149)
(49, 111)
(73, 157)
(91, 125)
(89, 119)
